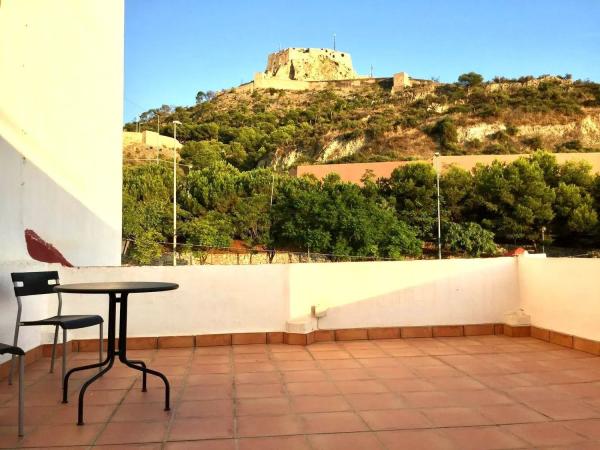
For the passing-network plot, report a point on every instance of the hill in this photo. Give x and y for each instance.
(367, 123)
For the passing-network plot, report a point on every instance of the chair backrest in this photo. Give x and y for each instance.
(34, 283)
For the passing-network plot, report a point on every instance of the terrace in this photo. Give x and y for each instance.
(407, 354)
(434, 393)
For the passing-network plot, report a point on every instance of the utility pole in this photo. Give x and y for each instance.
(371, 70)
(334, 41)
(175, 123)
(158, 124)
(439, 222)
(272, 188)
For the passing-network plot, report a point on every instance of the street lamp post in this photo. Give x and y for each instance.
(175, 123)
(439, 221)
(543, 239)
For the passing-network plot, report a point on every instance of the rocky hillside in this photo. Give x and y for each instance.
(286, 128)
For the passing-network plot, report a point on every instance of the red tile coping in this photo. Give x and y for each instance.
(279, 337)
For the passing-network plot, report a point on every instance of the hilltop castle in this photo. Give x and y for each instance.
(317, 68)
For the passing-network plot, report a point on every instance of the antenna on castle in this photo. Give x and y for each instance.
(333, 41)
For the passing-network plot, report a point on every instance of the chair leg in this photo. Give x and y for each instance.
(15, 343)
(64, 356)
(101, 344)
(21, 393)
(54, 349)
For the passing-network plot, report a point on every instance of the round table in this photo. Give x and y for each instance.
(117, 293)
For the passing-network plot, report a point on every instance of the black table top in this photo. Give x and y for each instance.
(119, 287)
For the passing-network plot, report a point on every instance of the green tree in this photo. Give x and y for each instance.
(212, 230)
(575, 212)
(412, 189)
(469, 238)
(338, 218)
(512, 200)
(203, 154)
(147, 247)
(202, 97)
(456, 189)
(147, 209)
(470, 79)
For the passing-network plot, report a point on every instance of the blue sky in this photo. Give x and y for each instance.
(174, 48)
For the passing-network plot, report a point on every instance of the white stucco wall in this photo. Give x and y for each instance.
(559, 294)
(211, 299)
(61, 91)
(61, 96)
(225, 299)
(375, 294)
(562, 294)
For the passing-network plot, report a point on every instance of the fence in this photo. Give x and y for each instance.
(188, 254)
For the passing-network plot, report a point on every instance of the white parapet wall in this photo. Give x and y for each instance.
(210, 299)
(408, 293)
(562, 294)
(233, 299)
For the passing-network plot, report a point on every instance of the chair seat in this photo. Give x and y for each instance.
(67, 322)
(10, 349)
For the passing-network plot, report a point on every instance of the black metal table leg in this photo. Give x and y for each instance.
(110, 356)
(111, 353)
(132, 364)
(143, 365)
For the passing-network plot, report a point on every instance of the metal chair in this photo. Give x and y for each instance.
(16, 351)
(37, 283)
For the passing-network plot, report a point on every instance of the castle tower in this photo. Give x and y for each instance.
(309, 64)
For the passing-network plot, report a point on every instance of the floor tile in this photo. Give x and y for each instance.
(345, 441)
(384, 400)
(220, 444)
(312, 388)
(508, 414)
(205, 408)
(141, 412)
(132, 433)
(263, 406)
(545, 434)
(455, 417)
(415, 440)
(251, 426)
(187, 429)
(361, 387)
(274, 443)
(259, 390)
(395, 419)
(482, 438)
(312, 403)
(55, 435)
(332, 422)
(564, 409)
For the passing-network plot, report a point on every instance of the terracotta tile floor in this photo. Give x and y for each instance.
(487, 392)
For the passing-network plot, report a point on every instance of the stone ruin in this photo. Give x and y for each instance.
(310, 64)
(315, 69)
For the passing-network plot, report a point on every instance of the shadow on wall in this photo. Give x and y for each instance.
(33, 201)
